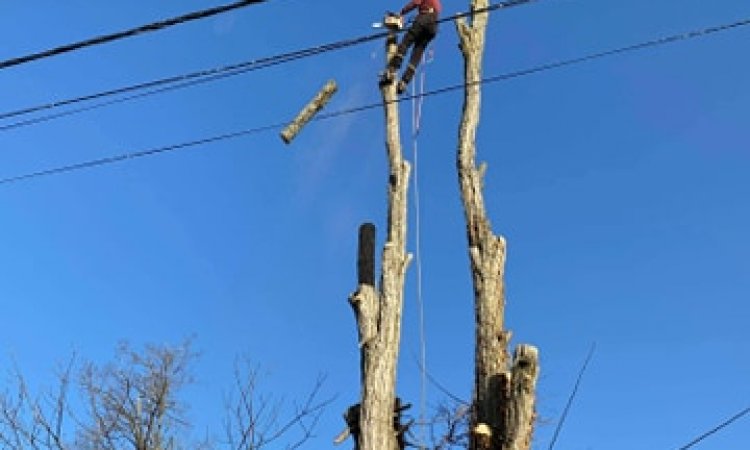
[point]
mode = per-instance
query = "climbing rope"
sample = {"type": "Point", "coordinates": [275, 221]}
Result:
{"type": "Point", "coordinates": [417, 100]}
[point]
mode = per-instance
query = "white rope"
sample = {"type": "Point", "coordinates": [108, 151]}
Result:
{"type": "Point", "coordinates": [416, 105]}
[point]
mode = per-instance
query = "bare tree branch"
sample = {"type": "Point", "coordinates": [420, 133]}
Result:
{"type": "Point", "coordinates": [135, 399]}
{"type": "Point", "coordinates": [134, 402]}
{"type": "Point", "coordinates": [253, 421]}
{"type": "Point", "coordinates": [31, 422]}
{"type": "Point", "coordinates": [449, 427]}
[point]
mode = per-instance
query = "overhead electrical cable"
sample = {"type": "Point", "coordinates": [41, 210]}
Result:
{"type": "Point", "coordinates": [716, 429]}
{"type": "Point", "coordinates": [166, 88]}
{"type": "Point", "coordinates": [572, 396]}
{"type": "Point", "coordinates": [192, 78]}
{"type": "Point", "coordinates": [155, 26]}
{"type": "Point", "coordinates": [554, 65]}
{"type": "Point", "coordinates": [343, 112]}
{"type": "Point", "coordinates": [140, 154]}
{"type": "Point", "coordinates": [598, 55]}
{"type": "Point", "coordinates": [203, 76]}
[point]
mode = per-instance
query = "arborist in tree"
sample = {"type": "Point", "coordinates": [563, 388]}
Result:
{"type": "Point", "coordinates": [422, 31]}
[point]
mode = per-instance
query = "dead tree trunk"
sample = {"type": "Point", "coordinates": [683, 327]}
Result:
{"type": "Point", "coordinates": [378, 312]}
{"type": "Point", "coordinates": [503, 404]}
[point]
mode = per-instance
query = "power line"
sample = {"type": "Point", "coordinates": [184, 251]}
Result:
{"type": "Point", "coordinates": [555, 65]}
{"type": "Point", "coordinates": [598, 55]}
{"type": "Point", "coordinates": [572, 396]}
{"type": "Point", "coordinates": [193, 78]}
{"type": "Point", "coordinates": [139, 154]}
{"type": "Point", "coordinates": [270, 61]}
{"type": "Point", "coordinates": [716, 429]}
{"type": "Point", "coordinates": [260, 64]}
{"type": "Point", "coordinates": [155, 26]}
{"type": "Point", "coordinates": [203, 76]}
{"type": "Point", "coordinates": [344, 112]}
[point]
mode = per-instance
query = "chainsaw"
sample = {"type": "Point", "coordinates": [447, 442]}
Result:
{"type": "Point", "coordinates": [392, 21]}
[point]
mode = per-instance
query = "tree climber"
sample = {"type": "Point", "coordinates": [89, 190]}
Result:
{"type": "Point", "coordinates": [422, 31]}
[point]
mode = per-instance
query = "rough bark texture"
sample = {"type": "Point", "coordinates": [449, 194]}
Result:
{"type": "Point", "coordinates": [309, 111]}
{"type": "Point", "coordinates": [494, 421]}
{"type": "Point", "coordinates": [521, 414]}
{"type": "Point", "coordinates": [379, 313]}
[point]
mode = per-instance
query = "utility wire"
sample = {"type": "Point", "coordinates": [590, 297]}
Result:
{"type": "Point", "coordinates": [572, 396]}
{"type": "Point", "coordinates": [260, 64]}
{"type": "Point", "coordinates": [593, 56]}
{"type": "Point", "coordinates": [192, 78]}
{"type": "Point", "coordinates": [155, 26]}
{"type": "Point", "coordinates": [139, 154]}
{"type": "Point", "coordinates": [554, 65]}
{"type": "Point", "coordinates": [208, 75]}
{"type": "Point", "coordinates": [716, 429]}
{"type": "Point", "coordinates": [344, 112]}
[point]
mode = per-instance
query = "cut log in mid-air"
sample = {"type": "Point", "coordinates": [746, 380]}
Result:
{"type": "Point", "coordinates": [309, 111]}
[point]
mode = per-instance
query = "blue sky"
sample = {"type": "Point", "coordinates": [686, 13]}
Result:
{"type": "Point", "coordinates": [621, 186]}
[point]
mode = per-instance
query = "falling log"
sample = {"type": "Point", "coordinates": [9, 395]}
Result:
{"type": "Point", "coordinates": [307, 113]}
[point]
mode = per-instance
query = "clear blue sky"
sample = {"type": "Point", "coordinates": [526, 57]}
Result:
{"type": "Point", "coordinates": [621, 186]}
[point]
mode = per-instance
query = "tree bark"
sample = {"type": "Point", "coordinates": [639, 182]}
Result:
{"type": "Point", "coordinates": [308, 112]}
{"type": "Point", "coordinates": [379, 314]}
{"type": "Point", "coordinates": [494, 421]}
{"type": "Point", "coordinates": [521, 414]}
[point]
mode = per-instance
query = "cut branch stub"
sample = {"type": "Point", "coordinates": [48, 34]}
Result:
{"type": "Point", "coordinates": [521, 412]}
{"type": "Point", "coordinates": [364, 300]}
{"type": "Point", "coordinates": [366, 258]}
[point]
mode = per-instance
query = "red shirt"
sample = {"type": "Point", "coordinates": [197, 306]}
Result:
{"type": "Point", "coordinates": [424, 6]}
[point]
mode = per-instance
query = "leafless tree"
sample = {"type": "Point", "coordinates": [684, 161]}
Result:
{"type": "Point", "coordinates": [30, 422]}
{"type": "Point", "coordinates": [254, 421]}
{"type": "Point", "coordinates": [504, 389]}
{"type": "Point", "coordinates": [502, 412]}
{"type": "Point", "coordinates": [134, 401]}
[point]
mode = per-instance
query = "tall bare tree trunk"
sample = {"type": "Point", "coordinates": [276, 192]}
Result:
{"type": "Point", "coordinates": [378, 312]}
{"type": "Point", "coordinates": [503, 414]}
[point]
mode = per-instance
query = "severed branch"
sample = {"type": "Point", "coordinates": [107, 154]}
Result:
{"type": "Point", "coordinates": [309, 111]}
